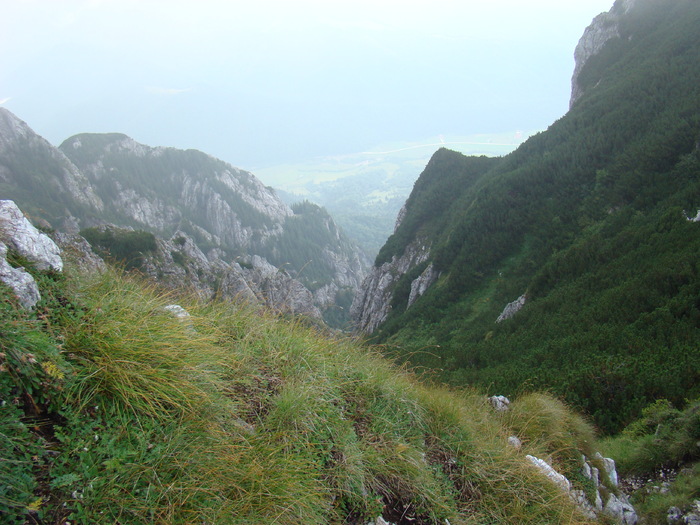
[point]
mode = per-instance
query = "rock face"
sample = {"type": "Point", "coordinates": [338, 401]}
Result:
{"type": "Point", "coordinates": [76, 250]}
{"type": "Point", "coordinates": [372, 302]}
{"type": "Point", "coordinates": [163, 189]}
{"type": "Point", "coordinates": [420, 285]}
{"type": "Point", "coordinates": [512, 308]}
{"type": "Point", "coordinates": [604, 27]}
{"type": "Point", "coordinates": [179, 260]}
{"type": "Point", "coordinates": [411, 262]}
{"type": "Point", "coordinates": [18, 234]}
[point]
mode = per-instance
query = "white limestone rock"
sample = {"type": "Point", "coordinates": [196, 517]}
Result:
{"type": "Point", "coordinates": [421, 284]}
{"type": "Point", "coordinates": [177, 311]}
{"type": "Point", "coordinates": [372, 302]}
{"type": "Point", "coordinates": [18, 233]}
{"type": "Point", "coordinates": [602, 29]}
{"type": "Point", "coordinates": [620, 509]}
{"type": "Point", "coordinates": [610, 469]}
{"type": "Point", "coordinates": [21, 283]}
{"type": "Point", "coordinates": [515, 442]}
{"type": "Point", "coordinates": [499, 403]}
{"type": "Point", "coordinates": [557, 478]}
{"type": "Point", "coordinates": [512, 308]}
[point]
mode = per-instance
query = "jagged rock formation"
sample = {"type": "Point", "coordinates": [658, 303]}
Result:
{"type": "Point", "coordinates": [174, 262]}
{"type": "Point", "coordinates": [616, 506]}
{"type": "Point", "coordinates": [179, 260]}
{"type": "Point", "coordinates": [160, 189]}
{"type": "Point", "coordinates": [604, 27]}
{"type": "Point", "coordinates": [56, 188]}
{"type": "Point", "coordinates": [373, 301]}
{"type": "Point", "coordinates": [608, 499]}
{"type": "Point", "coordinates": [512, 308]}
{"type": "Point", "coordinates": [18, 234]}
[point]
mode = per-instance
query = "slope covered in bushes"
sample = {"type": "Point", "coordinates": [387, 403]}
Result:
{"type": "Point", "coordinates": [589, 222]}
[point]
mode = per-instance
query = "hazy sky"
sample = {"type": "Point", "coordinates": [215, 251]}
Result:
{"type": "Point", "coordinates": [263, 81]}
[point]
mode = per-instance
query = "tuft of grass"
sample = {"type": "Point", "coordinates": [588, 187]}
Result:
{"type": "Point", "coordinates": [545, 423]}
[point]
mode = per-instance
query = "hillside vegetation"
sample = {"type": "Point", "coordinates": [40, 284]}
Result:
{"type": "Point", "coordinates": [590, 221]}
{"type": "Point", "coordinates": [116, 411]}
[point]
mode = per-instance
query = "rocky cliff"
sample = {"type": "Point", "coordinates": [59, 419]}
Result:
{"type": "Point", "coordinates": [604, 28]}
{"type": "Point", "coordinates": [254, 280]}
{"type": "Point", "coordinates": [164, 189]}
{"type": "Point", "coordinates": [405, 268]}
{"type": "Point", "coordinates": [373, 301]}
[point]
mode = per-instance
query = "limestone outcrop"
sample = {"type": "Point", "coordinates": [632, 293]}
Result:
{"type": "Point", "coordinates": [179, 262]}
{"type": "Point", "coordinates": [372, 302]}
{"type": "Point", "coordinates": [608, 499]}
{"type": "Point", "coordinates": [604, 28]}
{"type": "Point", "coordinates": [19, 235]}
{"type": "Point", "coordinates": [512, 308]}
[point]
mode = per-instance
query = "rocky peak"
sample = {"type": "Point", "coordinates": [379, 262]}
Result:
{"type": "Point", "coordinates": [32, 168]}
{"type": "Point", "coordinates": [12, 128]}
{"type": "Point", "coordinates": [93, 180]}
{"type": "Point", "coordinates": [604, 27]}
{"type": "Point", "coordinates": [179, 260]}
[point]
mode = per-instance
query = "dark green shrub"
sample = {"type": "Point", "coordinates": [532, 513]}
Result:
{"type": "Point", "coordinates": [124, 246]}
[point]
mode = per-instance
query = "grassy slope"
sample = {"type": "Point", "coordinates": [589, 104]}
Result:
{"type": "Point", "coordinates": [587, 219]}
{"type": "Point", "coordinates": [114, 410]}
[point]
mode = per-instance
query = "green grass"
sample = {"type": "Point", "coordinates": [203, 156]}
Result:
{"type": "Point", "coordinates": [124, 413]}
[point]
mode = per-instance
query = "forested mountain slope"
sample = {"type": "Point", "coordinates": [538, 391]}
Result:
{"type": "Point", "coordinates": [587, 222]}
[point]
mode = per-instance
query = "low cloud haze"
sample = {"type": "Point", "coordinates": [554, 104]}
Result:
{"type": "Point", "coordinates": [266, 82]}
